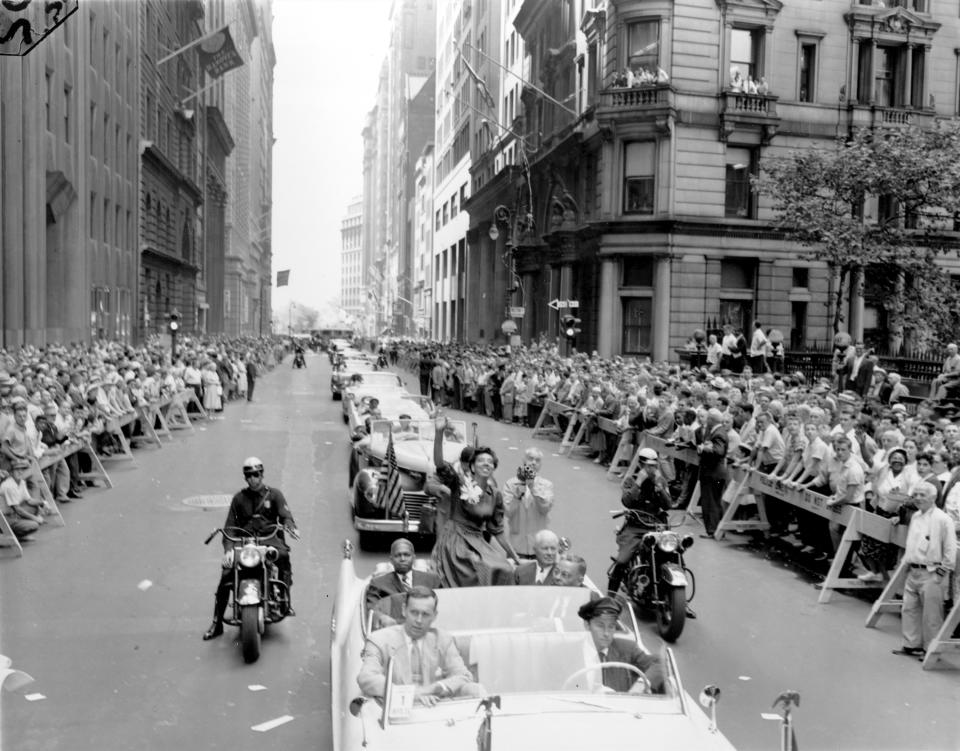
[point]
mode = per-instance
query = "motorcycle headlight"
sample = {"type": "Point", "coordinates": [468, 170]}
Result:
{"type": "Point", "coordinates": [668, 542]}
{"type": "Point", "coordinates": [649, 539]}
{"type": "Point", "coordinates": [249, 557]}
{"type": "Point", "coordinates": [687, 541]}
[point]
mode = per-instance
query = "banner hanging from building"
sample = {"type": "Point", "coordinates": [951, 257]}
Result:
{"type": "Point", "coordinates": [218, 54]}
{"type": "Point", "coordinates": [283, 278]}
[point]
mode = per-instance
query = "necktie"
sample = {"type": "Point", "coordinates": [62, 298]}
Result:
{"type": "Point", "coordinates": [541, 575]}
{"type": "Point", "coordinates": [406, 580]}
{"type": "Point", "coordinates": [416, 664]}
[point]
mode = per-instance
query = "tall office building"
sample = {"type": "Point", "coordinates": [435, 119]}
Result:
{"type": "Point", "coordinates": [69, 129]}
{"type": "Point", "coordinates": [352, 293]}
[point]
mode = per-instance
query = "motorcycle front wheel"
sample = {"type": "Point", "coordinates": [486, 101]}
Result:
{"type": "Point", "coordinates": [672, 613]}
{"type": "Point", "coordinates": [250, 632]}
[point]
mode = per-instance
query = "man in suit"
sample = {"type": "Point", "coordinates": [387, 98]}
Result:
{"type": "Point", "coordinates": [423, 656]}
{"type": "Point", "coordinates": [712, 471]}
{"type": "Point", "coordinates": [601, 616]}
{"type": "Point", "coordinates": [546, 545]}
{"type": "Point", "coordinates": [403, 578]}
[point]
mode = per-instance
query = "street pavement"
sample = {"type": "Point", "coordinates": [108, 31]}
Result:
{"type": "Point", "coordinates": [107, 613]}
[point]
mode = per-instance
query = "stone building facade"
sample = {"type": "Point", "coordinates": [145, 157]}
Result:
{"type": "Point", "coordinates": [633, 194]}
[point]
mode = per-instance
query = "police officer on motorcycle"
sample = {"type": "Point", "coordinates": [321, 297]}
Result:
{"type": "Point", "coordinates": [649, 494]}
{"type": "Point", "coordinates": [254, 509]}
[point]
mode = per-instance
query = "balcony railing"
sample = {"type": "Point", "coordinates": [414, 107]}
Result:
{"type": "Point", "coordinates": [874, 116]}
{"type": "Point", "coordinates": [750, 114]}
{"type": "Point", "coordinates": [651, 95]}
{"type": "Point", "coordinates": [762, 105]}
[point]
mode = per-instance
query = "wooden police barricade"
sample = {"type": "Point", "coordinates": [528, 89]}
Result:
{"type": "Point", "coordinates": [944, 641]}
{"type": "Point", "coordinates": [40, 482]}
{"type": "Point", "coordinates": [547, 423]}
{"type": "Point", "coordinates": [887, 602]}
{"type": "Point", "coordinates": [112, 426]}
{"type": "Point", "coordinates": [577, 444]}
{"type": "Point", "coordinates": [7, 538]}
{"type": "Point", "coordinates": [159, 425]}
{"type": "Point", "coordinates": [625, 451]}
{"type": "Point", "coordinates": [96, 473]}
{"type": "Point", "coordinates": [192, 398]}
{"type": "Point", "coordinates": [147, 414]}
{"type": "Point", "coordinates": [176, 412]}
{"type": "Point", "coordinates": [566, 443]}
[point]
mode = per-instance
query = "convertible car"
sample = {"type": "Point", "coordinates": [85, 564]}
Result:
{"type": "Point", "coordinates": [413, 448]}
{"type": "Point", "coordinates": [533, 655]}
{"type": "Point", "coordinates": [343, 373]}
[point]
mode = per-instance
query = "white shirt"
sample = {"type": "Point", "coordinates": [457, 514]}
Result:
{"type": "Point", "coordinates": [541, 576]}
{"type": "Point", "coordinates": [931, 539]}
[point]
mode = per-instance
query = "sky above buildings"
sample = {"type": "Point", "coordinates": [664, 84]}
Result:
{"type": "Point", "coordinates": [329, 54]}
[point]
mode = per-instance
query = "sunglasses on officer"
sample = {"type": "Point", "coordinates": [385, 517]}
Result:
{"type": "Point", "coordinates": [253, 473]}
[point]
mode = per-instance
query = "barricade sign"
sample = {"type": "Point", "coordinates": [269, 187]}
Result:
{"type": "Point", "coordinates": [207, 502]}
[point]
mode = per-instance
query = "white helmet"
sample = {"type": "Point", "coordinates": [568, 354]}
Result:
{"type": "Point", "coordinates": [252, 464]}
{"type": "Point", "coordinates": [647, 455]}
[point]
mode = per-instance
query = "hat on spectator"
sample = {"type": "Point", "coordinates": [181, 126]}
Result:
{"type": "Point", "coordinates": [601, 606]}
{"type": "Point", "coordinates": [899, 407]}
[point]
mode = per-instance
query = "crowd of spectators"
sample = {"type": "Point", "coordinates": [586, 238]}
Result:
{"type": "Point", "coordinates": [58, 398]}
{"type": "Point", "coordinates": [851, 438]}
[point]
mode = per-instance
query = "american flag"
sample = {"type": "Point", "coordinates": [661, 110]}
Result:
{"type": "Point", "coordinates": [389, 493]}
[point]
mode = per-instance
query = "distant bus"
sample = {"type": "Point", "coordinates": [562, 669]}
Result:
{"type": "Point", "coordinates": [323, 336]}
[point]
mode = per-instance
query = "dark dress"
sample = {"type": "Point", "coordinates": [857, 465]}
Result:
{"type": "Point", "coordinates": [466, 552]}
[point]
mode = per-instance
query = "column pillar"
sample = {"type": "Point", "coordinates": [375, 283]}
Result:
{"type": "Point", "coordinates": [908, 78]}
{"type": "Point", "coordinates": [871, 81]}
{"type": "Point", "coordinates": [660, 336]}
{"type": "Point", "coordinates": [527, 330]}
{"type": "Point", "coordinates": [925, 89]}
{"type": "Point", "coordinates": [855, 320]}
{"type": "Point", "coordinates": [34, 209]}
{"type": "Point", "coordinates": [607, 346]}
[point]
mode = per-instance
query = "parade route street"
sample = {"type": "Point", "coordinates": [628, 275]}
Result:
{"type": "Point", "coordinates": [106, 614]}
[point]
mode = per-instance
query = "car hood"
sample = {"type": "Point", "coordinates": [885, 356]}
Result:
{"type": "Point", "coordinates": [560, 723]}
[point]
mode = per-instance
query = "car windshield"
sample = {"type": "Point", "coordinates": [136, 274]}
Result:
{"type": "Point", "coordinates": [528, 645]}
{"type": "Point", "coordinates": [379, 379]}
{"type": "Point", "coordinates": [456, 430]}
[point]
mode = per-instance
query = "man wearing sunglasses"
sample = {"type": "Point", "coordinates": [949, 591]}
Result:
{"type": "Point", "coordinates": [254, 509]}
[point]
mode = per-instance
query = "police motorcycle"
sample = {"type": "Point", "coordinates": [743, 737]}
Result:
{"type": "Point", "coordinates": [657, 578]}
{"type": "Point", "coordinates": [259, 596]}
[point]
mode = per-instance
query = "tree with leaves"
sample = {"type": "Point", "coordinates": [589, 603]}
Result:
{"type": "Point", "coordinates": [912, 176]}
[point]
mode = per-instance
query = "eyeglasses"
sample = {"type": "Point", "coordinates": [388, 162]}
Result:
{"type": "Point", "coordinates": [253, 474]}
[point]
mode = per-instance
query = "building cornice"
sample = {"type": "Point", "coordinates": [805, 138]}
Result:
{"type": "Point", "coordinates": [156, 158]}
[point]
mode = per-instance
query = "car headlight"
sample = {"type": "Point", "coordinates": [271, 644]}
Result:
{"type": "Point", "coordinates": [249, 557]}
{"type": "Point", "coordinates": [668, 542]}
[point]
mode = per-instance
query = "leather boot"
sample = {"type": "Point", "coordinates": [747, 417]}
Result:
{"type": "Point", "coordinates": [219, 608]}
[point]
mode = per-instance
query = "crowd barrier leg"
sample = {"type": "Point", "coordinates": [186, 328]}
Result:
{"type": "Point", "coordinates": [193, 399]}
{"type": "Point", "coordinates": [944, 641]}
{"type": "Point", "coordinates": [693, 508]}
{"type": "Point", "coordinates": [542, 429]}
{"type": "Point", "coordinates": [113, 428]}
{"type": "Point", "coordinates": [576, 444]}
{"type": "Point", "coordinates": [834, 581]}
{"type": "Point", "coordinates": [146, 416]}
{"type": "Point", "coordinates": [177, 417]}
{"type": "Point", "coordinates": [567, 441]}
{"type": "Point", "coordinates": [631, 471]}
{"type": "Point", "coordinates": [97, 473]}
{"type": "Point", "coordinates": [623, 453]}
{"type": "Point", "coordinates": [7, 538]}
{"type": "Point", "coordinates": [41, 483]}
{"type": "Point", "coordinates": [886, 602]}
{"type": "Point", "coordinates": [159, 418]}
{"type": "Point", "coordinates": [729, 524]}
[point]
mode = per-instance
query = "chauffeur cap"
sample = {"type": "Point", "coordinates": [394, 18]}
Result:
{"type": "Point", "coordinates": [601, 606]}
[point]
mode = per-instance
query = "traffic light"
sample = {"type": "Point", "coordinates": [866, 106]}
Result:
{"type": "Point", "coordinates": [174, 324]}
{"type": "Point", "coordinates": [570, 326]}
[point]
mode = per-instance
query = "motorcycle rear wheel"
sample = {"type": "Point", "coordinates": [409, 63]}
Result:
{"type": "Point", "coordinates": [672, 613]}
{"type": "Point", "coordinates": [250, 632]}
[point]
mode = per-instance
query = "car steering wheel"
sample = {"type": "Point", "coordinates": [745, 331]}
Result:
{"type": "Point", "coordinates": [591, 668]}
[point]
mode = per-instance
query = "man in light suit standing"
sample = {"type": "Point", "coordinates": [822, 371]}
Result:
{"type": "Point", "coordinates": [423, 656]}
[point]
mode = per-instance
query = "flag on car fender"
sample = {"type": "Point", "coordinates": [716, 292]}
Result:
{"type": "Point", "coordinates": [389, 493]}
